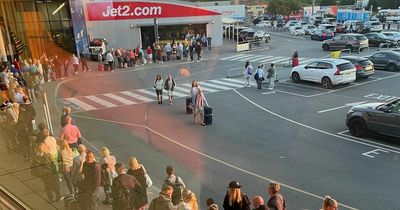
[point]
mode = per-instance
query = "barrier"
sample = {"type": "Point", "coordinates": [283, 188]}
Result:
{"type": "Point", "coordinates": [242, 47]}
{"type": "Point", "coordinates": [335, 54]}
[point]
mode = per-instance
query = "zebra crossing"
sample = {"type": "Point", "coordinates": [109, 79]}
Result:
{"type": "Point", "coordinates": [139, 96]}
{"type": "Point", "coordinates": [277, 60]}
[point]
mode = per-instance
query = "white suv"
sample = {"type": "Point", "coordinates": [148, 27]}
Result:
{"type": "Point", "coordinates": [328, 72]}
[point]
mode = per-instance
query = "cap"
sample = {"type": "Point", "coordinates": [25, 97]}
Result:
{"type": "Point", "coordinates": [234, 184]}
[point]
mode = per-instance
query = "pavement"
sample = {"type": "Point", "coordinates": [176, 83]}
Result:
{"type": "Point", "coordinates": [295, 134]}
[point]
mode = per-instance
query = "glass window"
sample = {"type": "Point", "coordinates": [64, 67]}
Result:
{"type": "Point", "coordinates": [323, 65]}
{"type": "Point", "coordinates": [52, 11]}
{"type": "Point", "coordinates": [313, 65]}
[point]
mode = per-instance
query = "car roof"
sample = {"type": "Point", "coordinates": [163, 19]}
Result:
{"type": "Point", "coordinates": [352, 57]}
{"type": "Point", "coordinates": [353, 34]}
{"type": "Point", "coordinates": [336, 61]}
{"type": "Point", "coordinates": [389, 52]}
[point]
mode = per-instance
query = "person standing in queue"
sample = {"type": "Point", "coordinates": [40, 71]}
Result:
{"type": "Point", "coordinates": [260, 76]}
{"type": "Point", "coordinates": [159, 85]}
{"type": "Point", "coordinates": [199, 107]}
{"type": "Point", "coordinates": [247, 72]}
{"type": "Point", "coordinates": [271, 76]}
{"type": "Point", "coordinates": [235, 199]}
{"type": "Point", "coordinates": [193, 93]}
{"type": "Point", "coordinates": [198, 51]}
{"type": "Point", "coordinates": [169, 86]}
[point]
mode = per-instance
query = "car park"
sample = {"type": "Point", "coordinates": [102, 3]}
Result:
{"type": "Point", "coordinates": [394, 35]}
{"type": "Point", "coordinates": [290, 24]}
{"type": "Point", "coordinates": [328, 21]}
{"type": "Point", "coordinates": [243, 32]}
{"type": "Point", "coordinates": [376, 39]}
{"type": "Point", "coordinates": [309, 29]}
{"type": "Point", "coordinates": [328, 72]}
{"type": "Point", "coordinates": [346, 41]}
{"type": "Point", "coordinates": [263, 24]}
{"type": "Point", "coordinates": [339, 27]}
{"type": "Point", "coordinates": [364, 67]}
{"type": "Point", "coordinates": [316, 20]}
{"type": "Point", "coordinates": [396, 50]}
{"type": "Point", "coordinates": [327, 27]}
{"type": "Point", "coordinates": [389, 60]}
{"type": "Point", "coordinates": [297, 31]}
{"type": "Point", "coordinates": [322, 35]}
{"type": "Point", "coordinates": [382, 118]}
{"type": "Point", "coordinates": [373, 26]}
{"type": "Point", "coordinates": [353, 26]}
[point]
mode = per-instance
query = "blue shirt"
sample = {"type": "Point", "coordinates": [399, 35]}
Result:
{"type": "Point", "coordinates": [260, 73]}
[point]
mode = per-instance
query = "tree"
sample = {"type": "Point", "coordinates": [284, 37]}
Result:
{"type": "Point", "coordinates": [327, 2]}
{"type": "Point", "coordinates": [384, 4]}
{"type": "Point", "coordinates": [346, 2]}
{"type": "Point", "coordinates": [283, 7]}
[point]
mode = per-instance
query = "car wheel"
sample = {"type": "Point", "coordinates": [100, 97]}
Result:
{"type": "Point", "coordinates": [349, 47]}
{"type": "Point", "coordinates": [391, 67]}
{"type": "Point", "coordinates": [326, 83]}
{"type": "Point", "coordinates": [295, 77]}
{"type": "Point", "coordinates": [358, 128]}
{"type": "Point", "coordinates": [325, 47]}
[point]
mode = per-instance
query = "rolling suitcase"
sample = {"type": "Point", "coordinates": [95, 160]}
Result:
{"type": "Point", "coordinates": [207, 115]}
{"type": "Point", "coordinates": [189, 109]}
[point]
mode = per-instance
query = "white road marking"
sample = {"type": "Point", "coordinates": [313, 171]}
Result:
{"type": "Point", "coordinates": [280, 60]}
{"type": "Point", "coordinates": [236, 57]}
{"type": "Point", "coordinates": [341, 107]}
{"type": "Point", "coordinates": [290, 93]}
{"type": "Point", "coordinates": [176, 94]}
{"type": "Point", "coordinates": [271, 59]}
{"type": "Point", "coordinates": [184, 90]}
{"type": "Point", "coordinates": [371, 142]}
{"type": "Point", "coordinates": [381, 97]}
{"type": "Point", "coordinates": [148, 92]}
{"type": "Point", "coordinates": [234, 80]}
{"type": "Point", "coordinates": [269, 93]}
{"type": "Point", "coordinates": [81, 104]}
{"type": "Point", "coordinates": [310, 127]}
{"type": "Point", "coordinates": [214, 86]}
{"type": "Point", "coordinates": [261, 58]}
{"type": "Point", "coordinates": [225, 83]}
{"type": "Point", "coordinates": [375, 152]}
{"type": "Point", "coordinates": [213, 158]}
{"type": "Point", "coordinates": [120, 99]}
{"type": "Point", "coordinates": [139, 97]}
{"type": "Point", "coordinates": [203, 88]}
{"type": "Point", "coordinates": [100, 101]}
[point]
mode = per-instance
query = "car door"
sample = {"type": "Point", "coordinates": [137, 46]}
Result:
{"type": "Point", "coordinates": [379, 60]}
{"type": "Point", "coordinates": [323, 69]}
{"type": "Point", "coordinates": [386, 120]}
{"type": "Point", "coordinates": [371, 39]}
{"type": "Point", "coordinates": [309, 71]}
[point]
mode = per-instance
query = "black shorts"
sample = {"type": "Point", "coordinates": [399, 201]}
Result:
{"type": "Point", "coordinates": [159, 92]}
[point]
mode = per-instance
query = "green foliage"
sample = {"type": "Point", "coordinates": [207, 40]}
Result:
{"type": "Point", "coordinates": [326, 2]}
{"type": "Point", "coordinates": [283, 7]}
{"type": "Point", "coordinates": [346, 2]}
{"type": "Point", "coordinates": [384, 4]}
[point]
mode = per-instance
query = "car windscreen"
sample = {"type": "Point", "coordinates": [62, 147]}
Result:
{"type": "Point", "coordinates": [329, 27]}
{"type": "Point", "coordinates": [345, 66]}
{"type": "Point", "coordinates": [365, 62]}
{"type": "Point", "coordinates": [375, 23]}
{"type": "Point", "coordinates": [383, 36]}
{"type": "Point", "coordinates": [361, 38]}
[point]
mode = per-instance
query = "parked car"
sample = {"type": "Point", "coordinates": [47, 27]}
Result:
{"type": "Point", "coordinates": [263, 24]}
{"type": "Point", "coordinates": [393, 35]}
{"type": "Point", "coordinates": [290, 24]}
{"type": "Point", "coordinates": [327, 27]}
{"type": "Point", "coordinates": [373, 26]}
{"type": "Point", "coordinates": [389, 60]}
{"type": "Point", "coordinates": [297, 31]}
{"type": "Point", "coordinates": [375, 39]}
{"type": "Point", "coordinates": [262, 35]}
{"type": "Point", "coordinates": [328, 72]}
{"type": "Point", "coordinates": [243, 32]}
{"type": "Point", "coordinates": [315, 20]}
{"type": "Point", "coordinates": [339, 27]}
{"type": "Point", "coordinates": [364, 67]}
{"type": "Point", "coordinates": [346, 41]}
{"type": "Point", "coordinates": [357, 26]}
{"type": "Point", "coordinates": [322, 34]}
{"type": "Point", "coordinates": [328, 20]}
{"type": "Point", "coordinates": [382, 118]}
{"type": "Point", "coordinates": [309, 29]}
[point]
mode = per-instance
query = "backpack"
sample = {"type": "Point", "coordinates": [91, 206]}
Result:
{"type": "Point", "coordinates": [178, 188]}
{"type": "Point", "coordinates": [119, 191]}
{"type": "Point", "coordinates": [249, 71]}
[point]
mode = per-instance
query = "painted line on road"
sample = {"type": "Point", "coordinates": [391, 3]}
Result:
{"type": "Point", "coordinates": [313, 128]}
{"type": "Point", "coordinates": [343, 133]}
{"type": "Point", "coordinates": [211, 157]}
{"type": "Point", "coordinates": [341, 107]}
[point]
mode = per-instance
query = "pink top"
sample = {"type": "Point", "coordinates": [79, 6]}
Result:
{"type": "Point", "coordinates": [70, 133]}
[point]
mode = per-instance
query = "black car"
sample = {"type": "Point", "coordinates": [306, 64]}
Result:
{"type": "Point", "coordinates": [364, 67]}
{"type": "Point", "coordinates": [322, 34]}
{"type": "Point", "coordinates": [389, 60]}
{"type": "Point", "coordinates": [376, 117]}
{"type": "Point", "coordinates": [375, 39]}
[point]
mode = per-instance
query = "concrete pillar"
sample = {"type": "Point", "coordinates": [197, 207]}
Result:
{"type": "Point", "coordinates": [3, 54]}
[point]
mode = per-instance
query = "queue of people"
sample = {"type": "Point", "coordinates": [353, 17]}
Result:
{"type": "Point", "coordinates": [259, 75]}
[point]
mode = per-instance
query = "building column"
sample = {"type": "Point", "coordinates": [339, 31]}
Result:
{"type": "Point", "coordinates": [3, 53]}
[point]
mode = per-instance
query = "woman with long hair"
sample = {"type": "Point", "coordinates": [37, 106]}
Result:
{"type": "Point", "coordinates": [189, 201]}
{"type": "Point", "coordinates": [159, 85]}
{"type": "Point", "coordinates": [169, 86]}
{"type": "Point", "coordinates": [329, 204]}
{"type": "Point", "coordinates": [193, 93]}
{"type": "Point", "coordinates": [67, 157]}
{"type": "Point", "coordinates": [235, 199]}
{"type": "Point", "coordinates": [199, 106]}
{"type": "Point", "coordinates": [107, 163]}
{"type": "Point", "coordinates": [247, 72]}
{"type": "Point", "coordinates": [140, 194]}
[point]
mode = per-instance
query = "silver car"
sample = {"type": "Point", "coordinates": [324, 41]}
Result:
{"type": "Point", "coordinates": [376, 117]}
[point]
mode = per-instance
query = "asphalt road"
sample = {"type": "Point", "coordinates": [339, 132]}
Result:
{"type": "Point", "coordinates": [295, 135]}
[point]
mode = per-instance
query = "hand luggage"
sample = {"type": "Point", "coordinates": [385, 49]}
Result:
{"type": "Point", "coordinates": [207, 115]}
{"type": "Point", "coordinates": [70, 203]}
{"type": "Point", "coordinates": [189, 108]}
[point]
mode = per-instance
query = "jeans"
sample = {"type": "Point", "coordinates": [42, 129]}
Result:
{"type": "Point", "coordinates": [68, 182]}
{"type": "Point", "coordinates": [259, 83]}
{"type": "Point", "coordinates": [271, 82]}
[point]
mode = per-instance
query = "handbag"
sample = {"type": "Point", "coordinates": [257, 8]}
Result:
{"type": "Point", "coordinates": [256, 76]}
{"type": "Point", "coordinates": [149, 182]}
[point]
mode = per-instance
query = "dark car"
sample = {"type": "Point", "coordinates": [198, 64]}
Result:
{"type": "Point", "coordinates": [339, 27]}
{"type": "Point", "coordinates": [346, 41]}
{"type": "Point", "coordinates": [396, 50]}
{"type": "Point", "coordinates": [322, 34]}
{"type": "Point", "coordinates": [389, 60]}
{"type": "Point", "coordinates": [375, 117]}
{"type": "Point", "coordinates": [364, 67]}
{"type": "Point", "coordinates": [376, 39]}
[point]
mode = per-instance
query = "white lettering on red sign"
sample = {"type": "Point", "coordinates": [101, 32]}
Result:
{"type": "Point", "coordinates": [126, 11]}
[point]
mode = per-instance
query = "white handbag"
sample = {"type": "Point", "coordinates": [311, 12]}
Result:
{"type": "Point", "coordinates": [149, 182]}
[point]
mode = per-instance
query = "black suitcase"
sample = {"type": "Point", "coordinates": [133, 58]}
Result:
{"type": "Point", "coordinates": [189, 109]}
{"type": "Point", "coordinates": [208, 115]}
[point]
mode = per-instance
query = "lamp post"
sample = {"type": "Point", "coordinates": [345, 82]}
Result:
{"type": "Point", "coordinates": [156, 38]}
